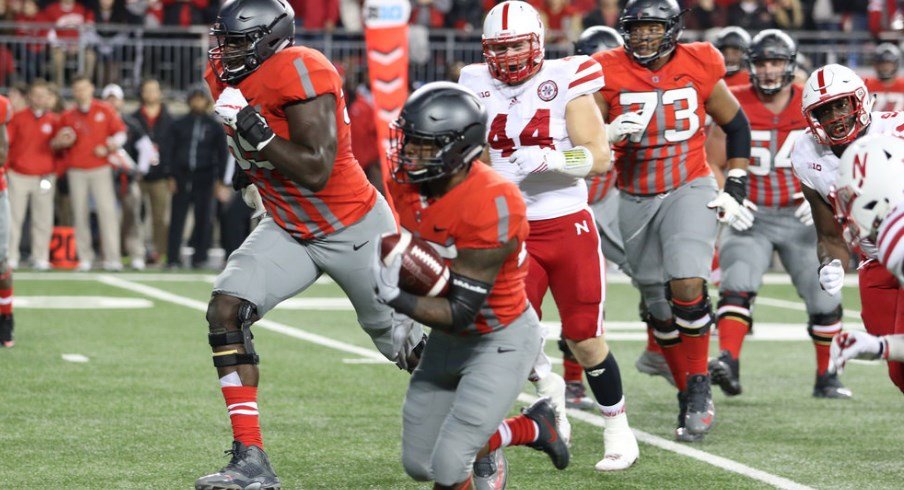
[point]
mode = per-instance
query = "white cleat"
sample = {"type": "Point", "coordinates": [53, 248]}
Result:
{"type": "Point", "coordinates": [553, 386]}
{"type": "Point", "coordinates": [621, 446]}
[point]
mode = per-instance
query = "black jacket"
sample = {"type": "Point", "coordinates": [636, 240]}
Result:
{"type": "Point", "coordinates": [158, 135]}
{"type": "Point", "coordinates": [195, 148]}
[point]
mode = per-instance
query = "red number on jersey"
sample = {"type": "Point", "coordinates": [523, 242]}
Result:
{"type": "Point", "coordinates": [536, 133]}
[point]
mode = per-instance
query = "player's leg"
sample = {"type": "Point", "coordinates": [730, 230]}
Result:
{"type": "Point", "coordinates": [254, 280]}
{"type": "Point", "coordinates": [652, 360]}
{"type": "Point", "coordinates": [687, 234]}
{"type": "Point", "coordinates": [578, 285]}
{"type": "Point", "coordinates": [879, 297]}
{"type": "Point", "coordinates": [347, 257]}
{"type": "Point", "coordinates": [796, 244]}
{"type": "Point", "coordinates": [6, 276]}
{"type": "Point", "coordinates": [896, 369]}
{"type": "Point", "coordinates": [744, 258]}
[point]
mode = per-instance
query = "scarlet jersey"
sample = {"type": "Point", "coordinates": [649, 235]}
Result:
{"type": "Point", "coordinates": [291, 76]}
{"type": "Point", "coordinates": [30, 134]}
{"type": "Point", "coordinates": [738, 79]}
{"type": "Point", "coordinates": [6, 114]}
{"type": "Point", "coordinates": [481, 212]}
{"type": "Point", "coordinates": [889, 96]}
{"type": "Point", "coordinates": [669, 152]}
{"type": "Point", "coordinates": [771, 180]}
{"type": "Point", "coordinates": [92, 129]}
{"type": "Point", "coordinates": [533, 114]}
{"type": "Point", "coordinates": [598, 187]}
{"type": "Point", "coordinates": [890, 242]}
{"type": "Point", "coordinates": [817, 166]}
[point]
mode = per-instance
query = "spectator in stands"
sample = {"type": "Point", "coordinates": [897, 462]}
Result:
{"type": "Point", "coordinates": [705, 15]}
{"type": "Point", "coordinates": [125, 174]}
{"type": "Point", "coordinates": [18, 97]}
{"type": "Point", "coordinates": [350, 15]}
{"type": "Point", "coordinates": [885, 15]}
{"type": "Point", "coordinates": [184, 12]}
{"type": "Point", "coordinates": [31, 170]}
{"type": "Point", "coordinates": [466, 15]}
{"type": "Point", "coordinates": [788, 14]}
{"type": "Point", "coordinates": [155, 120]}
{"type": "Point", "coordinates": [112, 42]}
{"type": "Point", "coordinates": [606, 13]}
{"type": "Point", "coordinates": [562, 21]}
{"type": "Point", "coordinates": [429, 13]}
{"type": "Point", "coordinates": [68, 17]}
{"type": "Point", "coordinates": [751, 15]}
{"type": "Point", "coordinates": [196, 150]}
{"type": "Point", "coordinates": [317, 15]}
{"type": "Point", "coordinates": [30, 56]}
{"type": "Point", "coordinates": [98, 132]}
{"type": "Point", "coordinates": [365, 146]}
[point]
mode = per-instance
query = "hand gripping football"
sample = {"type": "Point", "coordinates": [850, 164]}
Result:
{"type": "Point", "coordinates": [424, 273]}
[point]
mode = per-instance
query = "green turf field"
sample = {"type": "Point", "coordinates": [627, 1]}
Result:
{"type": "Point", "coordinates": [145, 410]}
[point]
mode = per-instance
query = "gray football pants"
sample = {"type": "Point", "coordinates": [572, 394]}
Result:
{"type": "Point", "coordinates": [606, 213]}
{"type": "Point", "coordinates": [459, 394]}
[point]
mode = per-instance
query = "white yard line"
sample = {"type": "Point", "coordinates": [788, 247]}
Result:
{"type": "Point", "coordinates": [596, 420]}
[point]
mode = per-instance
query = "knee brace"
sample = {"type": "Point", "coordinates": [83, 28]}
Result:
{"type": "Point", "coordinates": [655, 302]}
{"type": "Point", "coordinates": [736, 306]}
{"type": "Point", "coordinates": [225, 337]}
{"type": "Point", "coordinates": [823, 326]}
{"type": "Point", "coordinates": [566, 351]}
{"type": "Point", "coordinates": [664, 332]}
{"type": "Point", "coordinates": [696, 318]}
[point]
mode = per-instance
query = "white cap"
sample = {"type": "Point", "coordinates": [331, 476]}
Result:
{"type": "Point", "coordinates": [112, 90]}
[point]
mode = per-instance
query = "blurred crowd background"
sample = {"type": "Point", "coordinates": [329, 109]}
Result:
{"type": "Point", "coordinates": [170, 199]}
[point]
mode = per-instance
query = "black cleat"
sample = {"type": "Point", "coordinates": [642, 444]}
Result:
{"type": "Point", "coordinates": [548, 439]}
{"type": "Point", "coordinates": [248, 469]}
{"type": "Point", "coordinates": [6, 331]}
{"type": "Point", "coordinates": [726, 372]}
{"type": "Point", "coordinates": [681, 433]}
{"type": "Point", "coordinates": [701, 413]}
{"type": "Point", "coordinates": [828, 386]}
{"type": "Point", "coordinates": [491, 471]}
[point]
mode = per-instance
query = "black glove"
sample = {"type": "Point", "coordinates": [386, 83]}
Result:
{"type": "Point", "coordinates": [736, 186]}
{"type": "Point", "coordinates": [240, 179]}
{"type": "Point", "coordinates": [253, 127]}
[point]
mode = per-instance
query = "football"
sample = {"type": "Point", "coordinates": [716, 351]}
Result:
{"type": "Point", "coordinates": [424, 272]}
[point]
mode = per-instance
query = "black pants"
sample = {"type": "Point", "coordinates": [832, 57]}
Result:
{"type": "Point", "coordinates": [197, 193]}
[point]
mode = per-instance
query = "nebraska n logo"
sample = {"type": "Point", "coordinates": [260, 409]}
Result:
{"type": "Point", "coordinates": [582, 227]}
{"type": "Point", "coordinates": [859, 170]}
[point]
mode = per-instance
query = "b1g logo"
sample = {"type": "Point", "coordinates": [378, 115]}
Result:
{"type": "Point", "coordinates": [547, 90]}
{"type": "Point", "coordinates": [386, 13]}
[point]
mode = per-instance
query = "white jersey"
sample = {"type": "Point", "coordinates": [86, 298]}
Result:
{"type": "Point", "coordinates": [817, 166]}
{"type": "Point", "coordinates": [891, 242]}
{"type": "Point", "coordinates": [533, 114]}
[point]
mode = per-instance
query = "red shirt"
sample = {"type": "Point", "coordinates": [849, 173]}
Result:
{"type": "Point", "coordinates": [889, 95]}
{"type": "Point", "coordinates": [6, 112]}
{"type": "Point", "coordinates": [92, 129]}
{"type": "Point", "coordinates": [289, 77]}
{"type": "Point", "coordinates": [30, 152]}
{"type": "Point", "coordinates": [741, 77]}
{"type": "Point", "coordinates": [66, 20]}
{"type": "Point", "coordinates": [669, 152]}
{"type": "Point", "coordinates": [771, 180]}
{"type": "Point", "coordinates": [598, 187]}
{"type": "Point", "coordinates": [481, 212]}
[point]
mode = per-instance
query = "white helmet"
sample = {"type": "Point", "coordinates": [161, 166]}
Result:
{"type": "Point", "coordinates": [869, 182]}
{"type": "Point", "coordinates": [829, 84]}
{"type": "Point", "coordinates": [510, 23]}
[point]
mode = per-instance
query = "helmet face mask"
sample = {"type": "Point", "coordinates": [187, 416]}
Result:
{"type": "Point", "coordinates": [887, 61]}
{"type": "Point", "coordinates": [836, 105]}
{"type": "Point", "coordinates": [837, 117]}
{"type": "Point", "coordinates": [651, 29]}
{"type": "Point", "coordinates": [772, 60]}
{"type": "Point", "coordinates": [597, 38]}
{"type": "Point", "coordinates": [732, 42]}
{"type": "Point", "coordinates": [513, 59]}
{"type": "Point", "coordinates": [417, 158]}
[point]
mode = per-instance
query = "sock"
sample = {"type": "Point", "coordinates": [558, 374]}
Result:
{"type": "Point", "coordinates": [573, 371]}
{"type": "Point", "coordinates": [613, 410]}
{"type": "Point", "coordinates": [6, 301]}
{"type": "Point", "coordinates": [731, 335]}
{"type": "Point", "coordinates": [241, 402]}
{"type": "Point", "coordinates": [694, 316]}
{"type": "Point", "coordinates": [605, 381]}
{"type": "Point", "coordinates": [652, 345]}
{"type": "Point", "coordinates": [674, 357]}
{"type": "Point", "coordinates": [515, 431]}
{"type": "Point", "coordinates": [822, 342]}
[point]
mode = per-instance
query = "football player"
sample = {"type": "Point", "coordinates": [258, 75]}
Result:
{"type": "Point", "coordinates": [782, 221]}
{"type": "Point", "coordinates": [484, 335]}
{"type": "Point", "coordinates": [667, 190]}
{"type": "Point", "coordinates": [547, 136]}
{"type": "Point", "coordinates": [733, 43]}
{"type": "Point", "coordinates": [6, 272]}
{"type": "Point", "coordinates": [287, 127]}
{"type": "Point", "coordinates": [838, 109]}
{"type": "Point", "coordinates": [887, 86]}
{"type": "Point", "coordinates": [869, 197]}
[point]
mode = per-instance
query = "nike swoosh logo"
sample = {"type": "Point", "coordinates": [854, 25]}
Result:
{"type": "Point", "coordinates": [552, 431]}
{"type": "Point", "coordinates": [358, 247]}
{"type": "Point", "coordinates": [596, 372]}
{"type": "Point", "coordinates": [707, 420]}
{"type": "Point", "coordinates": [503, 350]}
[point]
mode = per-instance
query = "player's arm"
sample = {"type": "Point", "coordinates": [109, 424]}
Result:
{"type": "Point", "coordinates": [727, 113]}
{"type": "Point", "coordinates": [4, 145]}
{"type": "Point", "coordinates": [473, 273]}
{"type": "Point", "coordinates": [715, 153]}
{"type": "Point", "coordinates": [830, 243]}
{"type": "Point", "coordinates": [586, 129]}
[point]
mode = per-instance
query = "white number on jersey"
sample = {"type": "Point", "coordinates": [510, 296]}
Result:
{"type": "Point", "coordinates": [653, 103]}
{"type": "Point", "coordinates": [761, 160]}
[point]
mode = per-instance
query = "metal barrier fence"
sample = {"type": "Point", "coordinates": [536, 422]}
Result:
{"type": "Point", "coordinates": [177, 56]}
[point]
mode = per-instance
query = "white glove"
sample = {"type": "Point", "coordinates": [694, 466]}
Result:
{"type": "Point", "coordinates": [803, 211]}
{"type": "Point", "coordinates": [623, 126]}
{"type": "Point", "coordinates": [228, 105]}
{"type": "Point", "coordinates": [252, 197]}
{"type": "Point", "coordinates": [831, 277]}
{"type": "Point", "coordinates": [534, 159]}
{"type": "Point", "coordinates": [740, 217]}
{"type": "Point", "coordinates": [855, 345]}
{"type": "Point", "coordinates": [407, 335]}
{"type": "Point", "coordinates": [386, 277]}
